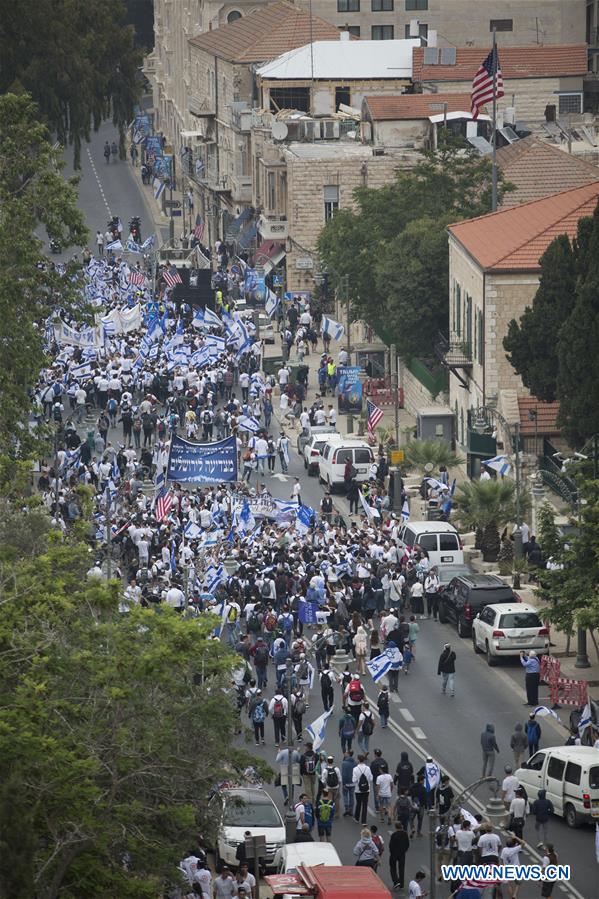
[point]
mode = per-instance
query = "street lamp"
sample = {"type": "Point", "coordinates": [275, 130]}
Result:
{"type": "Point", "coordinates": [481, 416]}
{"type": "Point", "coordinates": [290, 827]}
{"type": "Point", "coordinates": [495, 812]}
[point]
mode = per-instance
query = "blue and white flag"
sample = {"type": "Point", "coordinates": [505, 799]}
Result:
{"type": "Point", "coordinates": [198, 318]}
{"type": "Point", "coordinates": [317, 729]}
{"type": "Point", "coordinates": [542, 711]}
{"type": "Point", "coordinates": [304, 519]}
{"type": "Point", "coordinates": [370, 511]}
{"type": "Point", "coordinates": [108, 324]}
{"type": "Point", "coordinates": [405, 511]}
{"type": "Point", "coordinates": [148, 243]}
{"type": "Point", "coordinates": [586, 719]}
{"type": "Point", "coordinates": [499, 464]}
{"type": "Point", "coordinates": [272, 303]}
{"type": "Point", "coordinates": [81, 371]}
{"type": "Point", "coordinates": [173, 559]}
{"type": "Point", "coordinates": [331, 328]}
{"type": "Point", "coordinates": [214, 577]}
{"type": "Point", "coordinates": [245, 520]}
{"type": "Point", "coordinates": [212, 539]}
{"type": "Point", "coordinates": [447, 505]}
{"type": "Point", "coordinates": [158, 188]}
{"type": "Point", "coordinates": [192, 530]}
{"type": "Point", "coordinates": [432, 776]}
{"type": "Point", "coordinates": [390, 659]}
{"type": "Point", "coordinates": [286, 509]}
{"type": "Point", "coordinates": [132, 246]}
{"type": "Point", "coordinates": [212, 319]}
{"type": "Point", "coordinates": [114, 245]}
{"type": "Point", "coordinates": [247, 423]}
{"type": "Point", "coordinates": [437, 485]}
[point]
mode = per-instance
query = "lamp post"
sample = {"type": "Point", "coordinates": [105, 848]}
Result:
{"type": "Point", "coordinates": [289, 814]}
{"type": "Point", "coordinates": [495, 812]}
{"type": "Point", "coordinates": [482, 415]}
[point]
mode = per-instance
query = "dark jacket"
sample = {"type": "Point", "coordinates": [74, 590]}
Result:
{"type": "Point", "coordinates": [446, 662]}
{"type": "Point", "coordinates": [399, 843]}
{"type": "Point", "coordinates": [347, 770]}
{"type": "Point", "coordinates": [542, 808]}
{"type": "Point", "coordinates": [487, 739]}
{"type": "Point", "coordinates": [533, 732]}
{"type": "Point", "coordinates": [404, 773]}
{"type": "Point", "coordinates": [519, 741]}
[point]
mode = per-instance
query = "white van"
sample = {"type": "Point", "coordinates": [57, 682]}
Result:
{"type": "Point", "coordinates": [439, 538]}
{"type": "Point", "coordinates": [335, 453]}
{"type": "Point", "coordinates": [289, 857]}
{"type": "Point", "coordinates": [570, 777]}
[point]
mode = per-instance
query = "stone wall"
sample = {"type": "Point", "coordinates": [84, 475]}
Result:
{"type": "Point", "coordinates": [415, 394]}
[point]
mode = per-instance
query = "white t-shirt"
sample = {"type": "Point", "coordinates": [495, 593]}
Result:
{"type": "Point", "coordinates": [414, 890]}
{"type": "Point", "coordinates": [464, 840]}
{"type": "Point", "coordinates": [384, 784]}
{"type": "Point", "coordinates": [509, 787]}
{"type": "Point", "coordinates": [510, 855]}
{"type": "Point", "coordinates": [489, 844]}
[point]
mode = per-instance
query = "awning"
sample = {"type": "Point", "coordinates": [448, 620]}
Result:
{"type": "Point", "coordinates": [269, 254]}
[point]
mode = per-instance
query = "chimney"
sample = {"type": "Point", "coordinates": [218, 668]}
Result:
{"type": "Point", "coordinates": [344, 35]}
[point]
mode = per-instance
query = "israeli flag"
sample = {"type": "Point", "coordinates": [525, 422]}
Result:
{"type": "Point", "coordinates": [132, 246]}
{"type": "Point", "coordinates": [173, 559]}
{"type": "Point", "coordinates": [158, 188]}
{"type": "Point", "coordinates": [249, 424]}
{"type": "Point", "coordinates": [390, 659]}
{"type": "Point", "coordinates": [192, 530]}
{"type": "Point", "coordinates": [499, 464]}
{"type": "Point", "coordinates": [210, 540]}
{"type": "Point", "coordinates": [342, 568]}
{"type": "Point", "coordinates": [114, 245]}
{"type": "Point", "coordinates": [542, 711]}
{"type": "Point", "coordinates": [81, 371]}
{"type": "Point", "coordinates": [432, 776]}
{"type": "Point", "coordinates": [370, 511]}
{"type": "Point", "coordinates": [198, 318]}
{"type": "Point", "coordinates": [304, 519]}
{"type": "Point", "coordinates": [286, 509]}
{"type": "Point", "coordinates": [436, 485]}
{"type": "Point", "coordinates": [405, 511]}
{"type": "Point", "coordinates": [214, 577]}
{"type": "Point", "coordinates": [586, 719]}
{"type": "Point", "coordinates": [148, 243]}
{"type": "Point", "coordinates": [331, 328]}
{"type": "Point", "coordinates": [317, 730]}
{"type": "Point", "coordinates": [212, 319]}
{"type": "Point", "coordinates": [272, 303]}
{"type": "Point", "coordinates": [245, 520]}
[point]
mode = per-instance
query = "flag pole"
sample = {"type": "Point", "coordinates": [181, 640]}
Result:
{"type": "Point", "coordinates": [494, 136]}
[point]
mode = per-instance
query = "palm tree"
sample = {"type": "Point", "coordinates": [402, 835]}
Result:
{"type": "Point", "coordinates": [487, 506]}
{"type": "Point", "coordinates": [419, 453]}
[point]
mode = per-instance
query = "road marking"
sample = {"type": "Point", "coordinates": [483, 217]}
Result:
{"type": "Point", "coordinates": [396, 700]}
{"type": "Point", "coordinates": [406, 715]}
{"type": "Point", "coordinates": [97, 177]}
{"type": "Point", "coordinates": [419, 733]}
{"type": "Point", "coordinates": [478, 806]}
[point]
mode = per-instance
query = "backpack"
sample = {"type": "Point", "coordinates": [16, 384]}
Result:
{"type": "Point", "coordinates": [325, 810]}
{"type": "Point", "coordinates": [356, 693]}
{"type": "Point", "coordinates": [278, 710]}
{"type": "Point", "coordinates": [232, 614]}
{"type": "Point", "coordinates": [265, 589]}
{"type": "Point", "coordinates": [378, 842]}
{"type": "Point", "coordinates": [310, 763]}
{"type": "Point", "coordinates": [206, 418]}
{"type": "Point", "coordinates": [302, 670]}
{"type": "Point", "coordinates": [112, 405]}
{"type": "Point", "coordinates": [349, 726]}
{"type": "Point", "coordinates": [253, 624]}
{"type": "Point", "coordinates": [367, 725]}
{"type": "Point", "coordinates": [261, 656]}
{"type": "Point", "coordinates": [258, 715]}
{"type": "Point", "coordinates": [287, 621]}
{"type": "Point", "coordinates": [363, 786]}
{"type": "Point", "coordinates": [325, 682]}
{"type": "Point", "coordinates": [383, 701]}
{"type": "Point", "coordinates": [404, 804]}
{"type": "Point", "coordinates": [332, 779]}
{"type": "Point", "coordinates": [309, 815]}
{"type": "Point", "coordinates": [299, 708]}
{"type": "Point", "coordinates": [270, 622]}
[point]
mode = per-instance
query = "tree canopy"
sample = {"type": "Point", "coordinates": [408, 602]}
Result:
{"type": "Point", "coordinates": [393, 246]}
{"type": "Point", "coordinates": [33, 196]}
{"type": "Point", "coordinates": [114, 728]}
{"type": "Point", "coordinates": [77, 60]}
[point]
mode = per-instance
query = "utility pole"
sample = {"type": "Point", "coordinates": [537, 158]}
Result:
{"type": "Point", "coordinates": [494, 68]}
{"type": "Point", "coordinates": [289, 814]}
{"type": "Point", "coordinates": [518, 534]}
{"type": "Point", "coordinates": [347, 305]}
{"type": "Point", "coordinates": [56, 482]}
{"type": "Point", "coordinates": [395, 389]}
{"type": "Point", "coordinates": [108, 534]}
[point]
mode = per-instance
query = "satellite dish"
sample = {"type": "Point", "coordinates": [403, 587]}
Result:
{"type": "Point", "coordinates": [279, 130]}
{"type": "Point", "coordinates": [429, 467]}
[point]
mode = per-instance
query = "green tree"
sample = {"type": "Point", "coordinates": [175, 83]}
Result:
{"type": "Point", "coordinates": [113, 730]}
{"type": "Point", "coordinates": [367, 245]}
{"type": "Point", "coordinates": [419, 453]}
{"type": "Point", "coordinates": [488, 506]}
{"type": "Point", "coordinates": [77, 60]}
{"type": "Point", "coordinates": [33, 195]}
{"type": "Point", "coordinates": [532, 343]}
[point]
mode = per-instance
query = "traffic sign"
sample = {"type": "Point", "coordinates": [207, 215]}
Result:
{"type": "Point", "coordinates": [174, 204]}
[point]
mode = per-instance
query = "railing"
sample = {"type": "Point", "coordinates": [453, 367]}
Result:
{"type": "Point", "coordinates": [454, 352]}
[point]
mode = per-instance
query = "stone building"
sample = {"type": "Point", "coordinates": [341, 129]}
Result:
{"type": "Point", "coordinates": [414, 120]}
{"type": "Point", "coordinates": [493, 275]}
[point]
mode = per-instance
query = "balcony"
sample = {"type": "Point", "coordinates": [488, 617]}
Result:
{"type": "Point", "coordinates": [455, 354]}
{"type": "Point", "coordinates": [241, 188]}
{"type": "Point", "coordinates": [273, 227]}
{"type": "Point", "coordinates": [200, 106]}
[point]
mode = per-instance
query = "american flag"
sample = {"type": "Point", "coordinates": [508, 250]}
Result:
{"type": "Point", "coordinates": [164, 502]}
{"type": "Point", "coordinates": [198, 231]}
{"type": "Point", "coordinates": [137, 278]}
{"type": "Point", "coordinates": [172, 276]}
{"type": "Point", "coordinates": [375, 415]}
{"type": "Point", "coordinates": [482, 84]}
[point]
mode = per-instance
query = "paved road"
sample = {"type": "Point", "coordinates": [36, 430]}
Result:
{"type": "Point", "coordinates": [423, 721]}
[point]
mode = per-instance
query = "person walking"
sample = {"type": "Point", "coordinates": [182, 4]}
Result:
{"type": "Point", "coordinates": [325, 813]}
{"type": "Point", "coordinates": [114, 152]}
{"type": "Point", "coordinates": [549, 858]}
{"type": "Point", "coordinates": [360, 642]}
{"type": "Point", "coordinates": [278, 712]}
{"type": "Point", "coordinates": [366, 851]}
{"type": "Point", "coordinates": [100, 243]}
{"type": "Point", "coordinates": [330, 778]}
{"type": "Point", "coordinates": [257, 713]}
{"type": "Point", "coordinates": [517, 813]}
{"type": "Point", "coordinates": [446, 669]}
{"type": "Point", "coordinates": [489, 747]}
{"type": "Point", "coordinates": [308, 762]}
{"type": "Point", "coordinates": [518, 745]}
{"type": "Point", "coordinates": [382, 703]}
{"type": "Point", "coordinates": [533, 734]}
{"type": "Point", "coordinates": [347, 730]}
{"type": "Point", "coordinates": [365, 727]}
{"type": "Point", "coordinates": [532, 667]}
{"type": "Point", "coordinates": [347, 782]}
{"type": "Point", "coordinates": [542, 809]}
{"type": "Point", "coordinates": [326, 687]}
{"type": "Point", "coordinates": [399, 843]}
{"type": "Point", "coordinates": [384, 792]}
{"type": "Point", "coordinates": [134, 154]}
{"type": "Point", "coordinates": [431, 588]}
{"type": "Point", "coordinates": [362, 780]}
{"type": "Point", "coordinates": [107, 152]}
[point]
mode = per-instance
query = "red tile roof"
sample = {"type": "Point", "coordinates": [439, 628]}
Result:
{"type": "Point", "coordinates": [516, 62]}
{"type": "Point", "coordinates": [546, 423]}
{"type": "Point", "coordinates": [538, 169]}
{"type": "Point", "coordinates": [264, 34]}
{"type": "Point", "coordinates": [414, 106]}
{"type": "Point", "coordinates": [514, 239]}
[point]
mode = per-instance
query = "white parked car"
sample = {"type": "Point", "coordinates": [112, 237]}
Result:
{"type": "Point", "coordinates": [242, 809]}
{"type": "Point", "coordinates": [312, 450]}
{"type": "Point", "coordinates": [506, 630]}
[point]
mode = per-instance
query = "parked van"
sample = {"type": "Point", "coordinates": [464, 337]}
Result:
{"type": "Point", "coordinates": [334, 455]}
{"type": "Point", "coordinates": [439, 538]}
{"type": "Point", "coordinates": [288, 858]}
{"type": "Point", "coordinates": [570, 777]}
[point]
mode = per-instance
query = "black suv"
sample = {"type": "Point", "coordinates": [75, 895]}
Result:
{"type": "Point", "coordinates": [465, 596]}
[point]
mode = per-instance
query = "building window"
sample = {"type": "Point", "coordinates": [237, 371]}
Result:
{"type": "Point", "coordinates": [382, 32]}
{"type": "Point", "coordinates": [382, 5]}
{"type": "Point", "coordinates": [342, 95]}
{"type": "Point", "coordinates": [468, 328]}
{"type": "Point", "coordinates": [481, 337]}
{"type": "Point", "coordinates": [422, 31]}
{"type": "Point", "coordinates": [290, 98]}
{"type": "Point", "coordinates": [458, 311]}
{"type": "Point", "coordinates": [501, 25]}
{"type": "Point", "coordinates": [353, 29]}
{"type": "Point", "coordinates": [271, 192]}
{"type": "Point", "coordinates": [413, 5]}
{"type": "Point", "coordinates": [570, 103]}
{"type": "Point", "coordinates": [331, 201]}
{"type": "Point", "coordinates": [348, 5]}
{"type": "Point", "coordinates": [233, 16]}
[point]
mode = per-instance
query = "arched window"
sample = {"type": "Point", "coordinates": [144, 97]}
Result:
{"type": "Point", "coordinates": [233, 16]}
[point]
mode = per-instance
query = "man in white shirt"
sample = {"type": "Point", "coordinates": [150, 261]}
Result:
{"type": "Point", "coordinates": [332, 416]}
{"type": "Point", "coordinates": [464, 839]}
{"type": "Point", "coordinates": [362, 780]}
{"type": "Point", "coordinates": [414, 889]}
{"type": "Point", "coordinates": [343, 357]}
{"type": "Point", "coordinates": [175, 598]}
{"type": "Point", "coordinates": [320, 417]}
{"type": "Point", "coordinates": [304, 420]}
{"type": "Point", "coordinates": [489, 845]}
{"type": "Point", "coordinates": [283, 376]}
{"type": "Point", "coordinates": [509, 786]}
{"type": "Point", "coordinates": [384, 792]}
